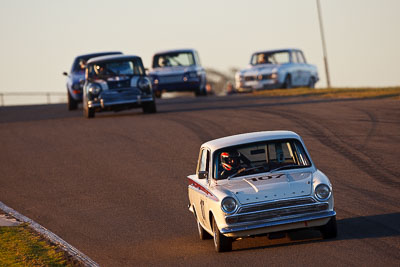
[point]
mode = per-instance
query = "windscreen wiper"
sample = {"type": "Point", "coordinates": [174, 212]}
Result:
{"type": "Point", "coordinates": [245, 170]}
{"type": "Point", "coordinates": [285, 167]}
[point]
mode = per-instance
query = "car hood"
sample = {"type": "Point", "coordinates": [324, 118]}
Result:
{"type": "Point", "coordinates": [171, 70]}
{"type": "Point", "coordinates": [265, 68]}
{"type": "Point", "coordinates": [78, 76]}
{"type": "Point", "coordinates": [270, 187]}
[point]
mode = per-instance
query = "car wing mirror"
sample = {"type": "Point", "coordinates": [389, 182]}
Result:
{"type": "Point", "coordinates": [203, 175]}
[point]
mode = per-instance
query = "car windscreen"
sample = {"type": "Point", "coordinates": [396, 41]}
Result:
{"type": "Point", "coordinates": [278, 57]}
{"type": "Point", "coordinates": [173, 59]}
{"type": "Point", "coordinates": [259, 157]}
{"type": "Point", "coordinates": [80, 62]}
{"type": "Point", "coordinates": [108, 69]}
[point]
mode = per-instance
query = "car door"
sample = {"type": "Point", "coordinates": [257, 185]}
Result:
{"type": "Point", "coordinates": [296, 70]}
{"type": "Point", "coordinates": [201, 202]}
{"type": "Point", "coordinates": [304, 70]}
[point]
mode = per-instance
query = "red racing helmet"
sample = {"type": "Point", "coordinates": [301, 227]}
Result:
{"type": "Point", "coordinates": [230, 160]}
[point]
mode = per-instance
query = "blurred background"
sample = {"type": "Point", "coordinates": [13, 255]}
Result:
{"type": "Point", "coordinates": [39, 39]}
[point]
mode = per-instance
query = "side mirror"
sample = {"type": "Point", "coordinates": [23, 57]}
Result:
{"type": "Point", "coordinates": [203, 175]}
{"type": "Point", "coordinates": [65, 73]}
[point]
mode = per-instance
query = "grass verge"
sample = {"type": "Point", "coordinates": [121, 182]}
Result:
{"type": "Point", "coordinates": [21, 246]}
{"type": "Point", "coordinates": [387, 92]}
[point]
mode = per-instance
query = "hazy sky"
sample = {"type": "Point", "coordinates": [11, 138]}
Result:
{"type": "Point", "coordinates": [39, 39]}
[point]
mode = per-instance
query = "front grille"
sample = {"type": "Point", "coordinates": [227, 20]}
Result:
{"type": "Point", "coordinates": [277, 204]}
{"type": "Point", "coordinates": [119, 84]}
{"type": "Point", "coordinates": [171, 79]}
{"type": "Point", "coordinates": [277, 210]}
{"type": "Point", "coordinates": [281, 213]}
{"type": "Point", "coordinates": [249, 78]}
{"type": "Point", "coordinates": [265, 76]}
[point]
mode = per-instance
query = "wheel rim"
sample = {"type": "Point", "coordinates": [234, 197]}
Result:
{"type": "Point", "coordinates": [215, 237]}
{"type": "Point", "coordinates": [198, 228]}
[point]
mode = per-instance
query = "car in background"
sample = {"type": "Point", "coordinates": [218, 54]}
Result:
{"type": "Point", "coordinates": [283, 68]}
{"type": "Point", "coordinates": [178, 71]}
{"type": "Point", "coordinates": [115, 83]}
{"type": "Point", "coordinates": [257, 184]}
{"type": "Point", "coordinates": [76, 78]}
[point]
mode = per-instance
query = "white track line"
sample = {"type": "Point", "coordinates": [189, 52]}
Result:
{"type": "Point", "coordinates": [50, 235]}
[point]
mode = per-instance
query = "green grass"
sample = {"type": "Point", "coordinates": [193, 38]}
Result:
{"type": "Point", "coordinates": [20, 246]}
{"type": "Point", "coordinates": [388, 92]}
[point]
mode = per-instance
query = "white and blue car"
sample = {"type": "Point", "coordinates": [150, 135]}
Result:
{"type": "Point", "coordinates": [256, 184]}
{"type": "Point", "coordinates": [178, 71]}
{"type": "Point", "coordinates": [283, 68]}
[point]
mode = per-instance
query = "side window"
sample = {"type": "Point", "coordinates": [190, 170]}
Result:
{"type": "Point", "coordinates": [197, 58]}
{"type": "Point", "coordinates": [203, 160]}
{"type": "Point", "coordinates": [300, 57]}
{"type": "Point", "coordinates": [294, 57]}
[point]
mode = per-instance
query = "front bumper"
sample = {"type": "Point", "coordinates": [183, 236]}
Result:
{"type": "Point", "coordinates": [312, 220]}
{"type": "Point", "coordinates": [114, 100]}
{"type": "Point", "coordinates": [190, 86]}
{"type": "Point", "coordinates": [249, 86]}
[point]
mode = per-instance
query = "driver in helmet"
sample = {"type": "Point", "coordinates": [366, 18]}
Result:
{"type": "Point", "coordinates": [230, 163]}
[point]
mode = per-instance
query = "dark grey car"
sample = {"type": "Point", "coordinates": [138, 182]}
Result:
{"type": "Point", "coordinates": [115, 83]}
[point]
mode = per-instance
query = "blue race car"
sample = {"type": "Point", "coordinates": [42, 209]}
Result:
{"type": "Point", "coordinates": [178, 71]}
{"type": "Point", "coordinates": [76, 78]}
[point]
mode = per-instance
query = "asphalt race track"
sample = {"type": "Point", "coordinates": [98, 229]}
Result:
{"type": "Point", "coordinates": [115, 187]}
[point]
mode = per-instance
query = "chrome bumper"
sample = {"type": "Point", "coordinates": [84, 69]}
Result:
{"type": "Point", "coordinates": [258, 225]}
{"type": "Point", "coordinates": [109, 102]}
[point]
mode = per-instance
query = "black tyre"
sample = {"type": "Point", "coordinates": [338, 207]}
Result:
{"type": "Point", "coordinates": [72, 104]}
{"type": "Point", "coordinates": [288, 82]}
{"type": "Point", "coordinates": [329, 230]}
{"type": "Point", "coordinates": [201, 91]}
{"type": "Point", "coordinates": [311, 83]}
{"type": "Point", "coordinates": [149, 107]}
{"type": "Point", "coordinates": [158, 94]}
{"type": "Point", "coordinates": [88, 112]}
{"type": "Point", "coordinates": [203, 234]}
{"type": "Point", "coordinates": [221, 242]}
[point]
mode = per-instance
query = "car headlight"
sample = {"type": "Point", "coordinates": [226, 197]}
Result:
{"type": "Point", "coordinates": [154, 79]}
{"type": "Point", "coordinates": [229, 205]}
{"type": "Point", "coordinates": [192, 74]}
{"type": "Point", "coordinates": [274, 75]}
{"type": "Point", "coordinates": [322, 192]}
{"type": "Point", "coordinates": [94, 89]}
{"type": "Point", "coordinates": [144, 85]}
{"type": "Point", "coordinates": [76, 86]}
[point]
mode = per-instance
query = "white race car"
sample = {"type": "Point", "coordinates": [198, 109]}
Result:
{"type": "Point", "coordinates": [284, 68]}
{"type": "Point", "coordinates": [258, 183]}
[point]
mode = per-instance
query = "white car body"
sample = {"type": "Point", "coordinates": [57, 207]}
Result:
{"type": "Point", "coordinates": [284, 72]}
{"type": "Point", "coordinates": [266, 202]}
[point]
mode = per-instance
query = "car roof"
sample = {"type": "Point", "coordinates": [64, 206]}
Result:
{"type": "Point", "coordinates": [111, 58]}
{"type": "Point", "coordinates": [176, 51]}
{"type": "Point", "coordinates": [277, 50]}
{"type": "Point", "coordinates": [249, 138]}
{"type": "Point", "coordinates": [98, 54]}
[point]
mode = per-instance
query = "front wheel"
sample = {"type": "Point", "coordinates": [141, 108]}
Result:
{"type": "Point", "coordinates": [329, 230]}
{"type": "Point", "coordinates": [288, 82]}
{"type": "Point", "coordinates": [203, 234]}
{"type": "Point", "coordinates": [158, 94]}
{"type": "Point", "coordinates": [88, 112]}
{"type": "Point", "coordinates": [221, 242]}
{"type": "Point", "coordinates": [72, 103]}
{"type": "Point", "coordinates": [311, 83]}
{"type": "Point", "coordinates": [149, 107]}
{"type": "Point", "coordinates": [201, 91]}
